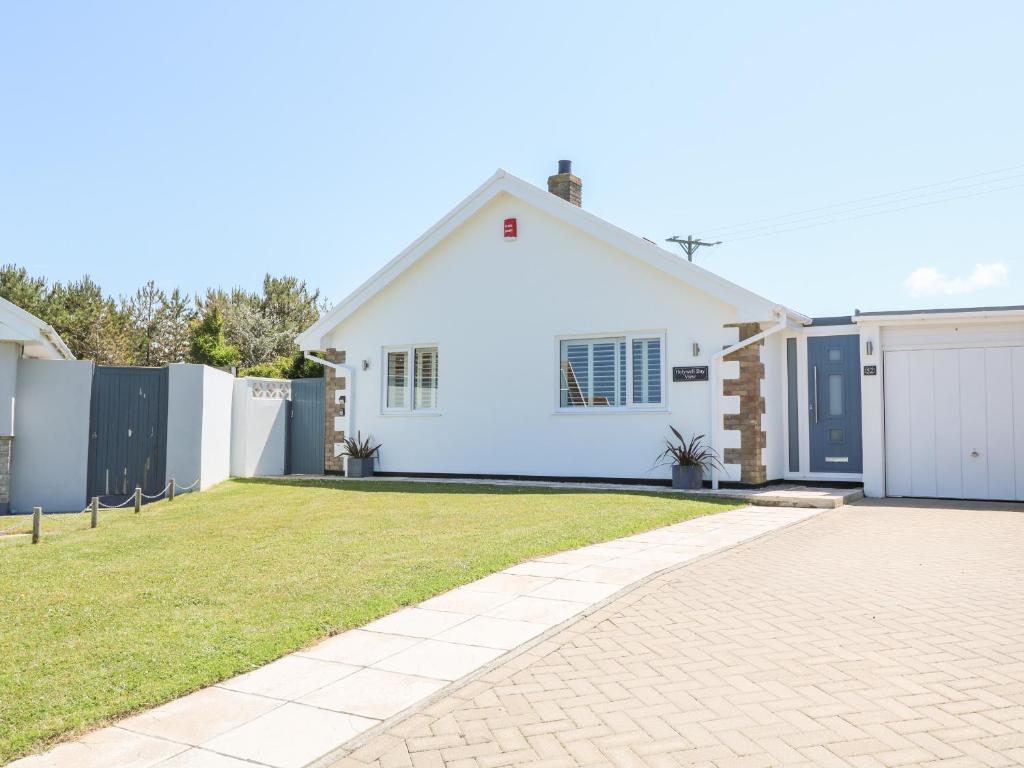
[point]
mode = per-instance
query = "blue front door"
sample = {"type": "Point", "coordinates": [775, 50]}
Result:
{"type": "Point", "coordinates": [833, 397]}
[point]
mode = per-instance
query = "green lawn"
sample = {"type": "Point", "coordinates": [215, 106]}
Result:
{"type": "Point", "coordinates": [97, 623]}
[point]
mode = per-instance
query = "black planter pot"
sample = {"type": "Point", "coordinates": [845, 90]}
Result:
{"type": "Point", "coordinates": [359, 467]}
{"type": "Point", "coordinates": [687, 477]}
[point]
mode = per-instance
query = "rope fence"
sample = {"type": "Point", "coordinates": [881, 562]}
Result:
{"type": "Point", "coordinates": [169, 492]}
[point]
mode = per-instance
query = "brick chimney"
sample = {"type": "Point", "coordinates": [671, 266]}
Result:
{"type": "Point", "coordinates": [565, 185]}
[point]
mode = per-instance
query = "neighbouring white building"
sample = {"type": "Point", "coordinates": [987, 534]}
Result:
{"type": "Point", "coordinates": [522, 336]}
{"type": "Point", "coordinates": [26, 344]}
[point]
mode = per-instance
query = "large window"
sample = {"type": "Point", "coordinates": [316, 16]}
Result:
{"type": "Point", "coordinates": [410, 379]}
{"type": "Point", "coordinates": [612, 372]}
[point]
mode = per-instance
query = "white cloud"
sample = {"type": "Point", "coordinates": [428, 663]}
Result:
{"type": "Point", "coordinates": [928, 281]}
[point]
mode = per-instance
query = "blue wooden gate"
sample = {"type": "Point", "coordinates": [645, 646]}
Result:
{"type": "Point", "coordinates": [305, 452]}
{"type": "Point", "coordinates": [127, 432]}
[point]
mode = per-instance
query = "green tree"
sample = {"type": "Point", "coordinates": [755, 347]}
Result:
{"type": "Point", "coordinates": [257, 337]}
{"type": "Point", "coordinates": [174, 328]}
{"type": "Point", "coordinates": [207, 343]}
{"type": "Point", "coordinates": [290, 303]}
{"type": "Point", "coordinates": [29, 293]}
{"type": "Point", "coordinates": [90, 323]}
{"type": "Point", "coordinates": [262, 326]}
{"type": "Point", "coordinates": [142, 313]}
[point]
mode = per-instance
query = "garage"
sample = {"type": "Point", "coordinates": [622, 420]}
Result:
{"type": "Point", "coordinates": [945, 406]}
{"type": "Point", "coordinates": [954, 423]}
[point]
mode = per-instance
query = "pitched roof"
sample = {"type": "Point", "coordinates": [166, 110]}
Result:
{"type": "Point", "coordinates": [752, 306]}
{"type": "Point", "coordinates": [37, 338]}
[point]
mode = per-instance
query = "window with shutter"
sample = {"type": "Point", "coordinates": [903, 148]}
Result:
{"type": "Point", "coordinates": [647, 371]}
{"type": "Point", "coordinates": [425, 391]}
{"type": "Point", "coordinates": [398, 379]}
{"type": "Point", "coordinates": [410, 379]}
{"type": "Point", "coordinates": [594, 372]}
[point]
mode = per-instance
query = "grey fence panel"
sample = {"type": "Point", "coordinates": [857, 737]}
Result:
{"type": "Point", "coordinates": [305, 452]}
{"type": "Point", "coordinates": [127, 432]}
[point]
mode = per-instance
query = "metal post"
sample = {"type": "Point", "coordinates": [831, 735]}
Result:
{"type": "Point", "coordinates": [170, 490]}
{"type": "Point", "coordinates": [95, 507]}
{"type": "Point", "coordinates": [138, 499]}
{"type": "Point", "coordinates": [37, 520]}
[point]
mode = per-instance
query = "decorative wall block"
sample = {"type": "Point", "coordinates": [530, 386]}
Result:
{"type": "Point", "coordinates": [269, 389]}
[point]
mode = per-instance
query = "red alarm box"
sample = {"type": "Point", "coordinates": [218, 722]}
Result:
{"type": "Point", "coordinates": [511, 229]}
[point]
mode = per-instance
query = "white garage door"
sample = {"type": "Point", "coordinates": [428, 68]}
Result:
{"type": "Point", "coordinates": [954, 423]}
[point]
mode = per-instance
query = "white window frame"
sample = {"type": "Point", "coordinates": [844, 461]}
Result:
{"type": "Point", "coordinates": [410, 408]}
{"type": "Point", "coordinates": [630, 406]}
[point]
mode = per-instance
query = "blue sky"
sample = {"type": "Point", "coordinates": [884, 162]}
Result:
{"type": "Point", "coordinates": [205, 143]}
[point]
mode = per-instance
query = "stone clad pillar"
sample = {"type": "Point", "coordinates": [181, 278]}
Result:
{"type": "Point", "coordinates": [336, 392]}
{"type": "Point", "coordinates": [750, 454]}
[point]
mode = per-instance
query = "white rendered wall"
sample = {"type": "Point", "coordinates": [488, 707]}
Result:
{"type": "Point", "coordinates": [51, 451]}
{"type": "Point", "coordinates": [198, 424]}
{"type": "Point", "coordinates": [872, 404]}
{"type": "Point", "coordinates": [773, 355]}
{"type": "Point", "coordinates": [258, 429]}
{"type": "Point", "coordinates": [496, 309]}
{"type": "Point", "coordinates": [216, 433]}
{"type": "Point", "coordinates": [10, 353]}
{"type": "Point", "coordinates": [184, 422]}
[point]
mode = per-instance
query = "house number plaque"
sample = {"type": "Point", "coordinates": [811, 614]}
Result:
{"type": "Point", "coordinates": [689, 373]}
{"type": "Point", "coordinates": [870, 370]}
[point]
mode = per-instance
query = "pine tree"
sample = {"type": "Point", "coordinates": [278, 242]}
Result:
{"type": "Point", "coordinates": [29, 293]}
{"type": "Point", "coordinates": [174, 328]}
{"type": "Point", "coordinates": [142, 313]}
{"type": "Point", "coordinates": [90, 323]}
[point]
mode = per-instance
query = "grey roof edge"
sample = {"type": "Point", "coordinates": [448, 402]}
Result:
{"type": "Point", "coordinates": [949, 311]}
{"type": "Point", "coordinates": [838, 320]}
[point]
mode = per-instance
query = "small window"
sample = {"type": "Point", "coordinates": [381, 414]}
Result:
{"type": "Point", "coordinates": [593, 373]}
{"type": "Point", "coordinates": [835, 435]}
{"type": "Point", "coordinates": [425, 391]}
{"type": "Point", "coordinates": [410, 390]}
{"type": "Point", "coordinates": [646, 371]}
{"type": "Point", "coordinates": [601, 372]}
{"type": "Point", "coordinates": [398, 379]}
{"type": "Point", "coordinates": [835, 355]}
{"type": "Point", "coordinates": [835, 395]}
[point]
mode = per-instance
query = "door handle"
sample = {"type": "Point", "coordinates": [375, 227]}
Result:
{"type": "Point", "coordinates": [815, 394]}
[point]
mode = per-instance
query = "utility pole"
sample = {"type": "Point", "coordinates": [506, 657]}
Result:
{"type": "Point", "coordinates": [690, 244]}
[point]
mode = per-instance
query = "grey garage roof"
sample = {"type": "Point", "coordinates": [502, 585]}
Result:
{"type": "Point", "coordinates": [839, 320]}
{"type": "Point", "coordinates": [951, 310]}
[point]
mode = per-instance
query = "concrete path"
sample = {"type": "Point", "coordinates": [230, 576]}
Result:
{"type": "Point", "coordinates": [304, 706]}
{"type": "Point", "coordinates": [869, 636]}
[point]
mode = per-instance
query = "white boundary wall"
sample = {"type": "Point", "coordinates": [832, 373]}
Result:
{"type": "Point", "coordinates": [198, 424]}
{"type": "Point", "coordinates": [259, 426]}
{"type": "Point", "coordinates": [51, 446]}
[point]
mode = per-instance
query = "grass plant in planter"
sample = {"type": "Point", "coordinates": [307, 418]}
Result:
{"type": "Point", "coordinates": [689, 459]}
{"type": "Point", "coordinates": [361, 455]}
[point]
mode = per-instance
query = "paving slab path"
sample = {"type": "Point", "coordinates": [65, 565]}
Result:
{"type": "Point", "coordinates": [295, 711]}
{"type": "Point", "coordinates": [873, 635]}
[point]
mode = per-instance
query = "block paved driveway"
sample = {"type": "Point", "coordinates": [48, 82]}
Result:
{"type": "Point", "coordinates": [867, 636]}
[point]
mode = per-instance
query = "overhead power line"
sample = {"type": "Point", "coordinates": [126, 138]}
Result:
{"type": "Point", "coordinates": [875, 213]}
{"type": "Point", "coordinates": [779, 219]}
{"type": "Point", "coordinates": [882, 204]}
